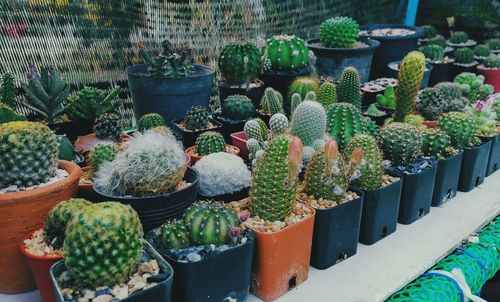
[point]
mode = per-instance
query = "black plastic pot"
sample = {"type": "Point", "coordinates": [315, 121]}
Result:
{"type": "Point", "coordinates": [254, 93]}
{"type": "Point", "coordinates": [458, 69]}
{"type": "Point", "coordinates": [221, 277]}
{"type": "Point", "coordinates": [230, 126]}
{"type": "Point", "coordinates": [392, 48]}
{"type": "Point", "coordinates": [440, 73]}
{"type": "Point", "coordinates": [73, 129]}
{"type": "Point", "coordinates": [380, 212]}
{"type": "Point", "coordinates": [473, 169]}
{"type": "Point", "coordinates": [155, 210]}
{"type": "Point", "coordinates": [235, 196]}
{"type": "Point", "coordinates": [331, 61]}
{"type": "Point", "coordinates": [416, 195]}
{"type": "Point", "coordinates": [446, 183]}
{"type": "Point", "coordinates": [160, 292]}
{"type": "Point", "coordinates": [189, 137]}
{"type": "Point", "coordinates": [427, 73]}
{"type": "Point", "coordinates": [170, 97]}
{"type": "Point", "coordinates": [494, 157]}
{"type": "Point", "coordinates": [336, 233]}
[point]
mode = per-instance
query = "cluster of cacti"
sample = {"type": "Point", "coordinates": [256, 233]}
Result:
{"type": "Point", "coordinates": [344, 121]}
{"type": "Point", "coordinates": [493, 44]}
{"type": "Point", "coordinates": [8, 91]}
{"type": "Point", "coordinates": [153, 163]}
{"type": "Point", "coordinates": [296, 99]}
{"type": "Point", "coordinates": [436, 142]}
{"type": "Point", "coordinates": [484, 117]}
{"type": "Point", "coordinates": [414, 119]}
{"type": "Point", "coordinates": [210, 142]}
{"type": "Point", "coordinates": [101, 153]}
{"type": "Point", "coordinates": [371, 169]}
{"type": "Point", "coordinates": [239, 63]}
{"type": "Point", "coordinates": [339, 32]}
{"type": "Point", "coordinates": [328, 174]}
{"type": "Point", "coordinates": [461, 129]}
{"type": "Point", "coordinates": [303, 85]}
{"type": "Point", "coordinates": [429, 31]}
{"type": "Point", "coordinates": [169, 64]}
{"type": "Point", "coordinates": [287, 53]}
{"type": "Point", "coordinates": [430, 103]}
{"type": "Point", "coordinates": [59, 217]}
{"type": "Point", "coordinates": [327, 93]}
{"type": "Point", "coordinates": [275, 178]}
{"type": "Point", "coordinates": [459, 37]}
{"type": "Point", "coordinates": [492, 62]}
{"type": "Point", "coordinates": [308, 122]}
{"type": "Point", "coordinates": [453, 96]}
{"type": "Point", "coordinates": [473, 86]}
{"type": "Point", "coordinates": [7, 114]}
{"type": "Point", "coordinates": [108, 126]}
{"type": "Point", "coordinates": [348, 88]}
{"type": "Point", "coordinates": [271, 102]}
{"type": "Point", "coordinates": [89, 102]}
{"type": "Point", "coordinates": [103, 244]}
{"type": "Point", "coordinates": [28, 154]}
{"type": "Point", "coordinates": [238, 107]}
{"type": "Point", "coordinates": [278, 123]}
{"type": "Point", "coordinates": [463, 56]}
{"type": "Point", "coordinates": [401, 143]}
{"type": "Point", "coordinates": [439, 40]}
{"type": "Point", "coordinates": [433, 52]}
{"type": "Point", "coordinates": [150, 121]}
{"type": "Point", "coordinates": [196, 118]}
{"type": "Point", "coordinates": [482, 50]}
{"type": "Point", "coordinates": [411, 72]}
{"type": "Point", "coordinates": [45, 93]}
{"type": "Point", "coordinates": [388, 99]}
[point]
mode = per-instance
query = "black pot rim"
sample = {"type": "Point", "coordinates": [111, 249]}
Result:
{"type": "Point", "coordinates": [222, 83]}
{"type": "Point", "coordinates": [485, 142]}
{"type": "Point", "coordinates": [228, 121]}
{"type": "Point", "coordinates": [459, 153]}
{"type": "Point", "coordinates": [212, 120]}
{"type": "Point", "coordinates": [428, 65]}
{"type": "Point", "coordinates": [372, 46]}
{"type": "Point", "coordinates": [293, 73]}
{"type": "Point", "coordinates": [390, 173]}
{"type": "Point", "coordinates": [470, 65]}
{"type": "Point", "coordinates": [200, 71]}
{"type": "Point", "coordinates": [418, 31]}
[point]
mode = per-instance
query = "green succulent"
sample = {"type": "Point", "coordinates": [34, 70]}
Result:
{"type": "Point", "coordinates": [461, 128]}
{"type": "Point", "coordinates": [287, 53]}
{"type": "Point", "coordinates": [434, 52]}
{"type": "Point", "coordinates": [7, 114]}
{"type": "Point", "coordinates": [256, 129]}
{"type": "Point", "coordinates": [101, 153]}
{"type": "Point", "coordinates": [150, 121]}
{"type": "Point", "coordinates": [89, 102]}
{"type": "Point", "coordinates": [327, 93]}
{"type": "Point", "coordinates": [431, 103]}
{"type": "Point", "coordinates": [169, 64]}
{"type": "Point", "coordinates": [296, 100]}
{"type": "Point", "coordinates": [436, 142]}
{"type": "Point", "coordinates": [429, 31]}
{"type": "Point", "coordinates": [401, 143]}
{"type": "Point", "coordinates": [482, 50]}
{"type": "Point", "coordinates": [344, 121]}
{"type": "Point", "coordinates": [271, 102]}
{"type": "Point", "coordinates": [338, 32]}
{"type": "Point", "coordinates": [388, 99]}
{"type": "Point", "coordinates": [492, 62]}
{"type": "Point", "coordinates": [210, 142]}
{"type": "Point", "coordinates": [239, 63]}
{"type": "Point", "coordinates": [174, 234]}
{"type": "Point", "coordinates": [108, 126]}
{"type": "Point", "coordinates": [372, 169]}
{"type": "Point", "coordinates": [196, 118]}
{"type": "Point", "coordinates": [308, 122]}
{"type": "Point", "coordinates": [8, 91]}
{"type": "Point", "coordinates": [439, 40]}
{"type": "Point", "coordinates": [493, 44]}
{"type": "Point", "coordinates": [459, 37]}
{"type": "Point", "coordinates": [303, 85]}
{"type": "Point", "coordinates": [238, 107]}
{"type": "Point", "coordinates": [278, 123]}
{"type": "Point", "coordinates": [348, 88]}
{"type": "Point", "coordinates": [464, 56]}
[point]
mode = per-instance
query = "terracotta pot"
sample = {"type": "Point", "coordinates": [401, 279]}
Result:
{"type": "Point", "coordinates": [86, 190]}
{"type": "Point", "coordinates": [491, 76]}
{"type": "Point", "coordinates": [40, 267]}
{"type": "Point", "coordinates": [240, 140]}
{"type": "Point", "coordinates": [431, 124]}
{"type": "Point", "coordinates": [188, 160]}
{"type": "Point", "coordinates": [281, 259]}
{"type": "Point", "coordinates": [191, 152]}
{"type": "Point", "coordinates": [21, 212]}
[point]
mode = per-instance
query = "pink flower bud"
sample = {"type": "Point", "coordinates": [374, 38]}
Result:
{"type": "Point", "coordinates": [235, 231]}
{"type": "Point", "coordinates": [357, 156]}
{"type": "Point", "coordinates": [479, 105]}
{"type": "Point", "coordinates": [243, 216]}
{"type": "Point", "coordinates": [331, 150]}
{"type": "Point", "coordinates": [295, 151]}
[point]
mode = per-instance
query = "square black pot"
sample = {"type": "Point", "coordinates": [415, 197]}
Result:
{"type": "Point", "coordinates": [494, 157]}
{"type": "Point", "coordinates": [446, 183]}
{"type": "Point", "coordinates": [336, 233]}
{"type": "Point", "coordinates": [189, 137]}
{"type": "Point", "coordinates": [416, 196]}
{"type": "Point", "coordinates": [473, 169]}
{"type": "Point", "coordinates": [380, 212]}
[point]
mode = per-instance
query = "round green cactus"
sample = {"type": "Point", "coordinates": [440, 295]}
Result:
{"type": "Point", "coordinates": [459, 37]}
{"type": "Point", "coordinates": [429, 31]}
{"type": "Point", "coordinates": [101, 153]}
{"type": "Point", "coordinates": [210, 142]}
{"type": "Point", "coordinates": [371, 127]}
{"type": "Point", "coordinates": [303, 85]}
{"type": "Point", "coordinates": [28, 154]}
{"type": "Point", "coordinates": [327, 93]}
{"type": "Point", "coordinates": [287, 53]}
{"type": "Point", "coordinates": [460, 127]}
{"type": "Point", "coordinates": [401, 143]}
{"type": "Point", "coordinates": [308, 122]}
{"type": "Point", "coordinates": [321, 182]}
{"type": "Point", "coordinates": [239, 63]}
{"type": "Point", "coordinates": [256, 129]}
{"type": "Point", "coordinates": [278, 123]}
{"type": "Point", "coordinates": [196, 118]}
{"type": "Point", "coordinates": [238, 107]}
{"type": "Point", "coordinates": [492, 62]}
{"type": "Point", "coordinates": [103, 244]}
{"type": "Point", "coordinates": [411, 73]}
{"type": "Point", "coordinates": [149, 121]}
{"type": "Point", "coordinates": [58, 218]}
{"type": "Point", "coordinates": [108, 126]}
{"type": "Point", "coordinates": [338, 32]}
{"type": "Point", "coordinates": [482, 50]}
{"type": "Point", "coordinates": [372, 170]}
{"type": "Point", "coordinates": [430, 103]}
{"type": "Point", "coordinates": [348, 89]}
{"type": "Point", "coordinates": [433, 52]}
{"type": "Point", "coordinates": [344, 121]}
{"type": "Point", "coordinates": [464, 55]}
{"type": "Point", "coordinates": [493, 44]}
{"type": "Point", "coordinates": [174, 235]}
{"type": "Point", "coordinates": [439, 40]}
{"type": "Point", "coordinates": [271, 102]}
{"type": "Point", "coordinates": [436, 142]}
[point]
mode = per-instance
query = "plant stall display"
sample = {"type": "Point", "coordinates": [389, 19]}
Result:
{"type": "Point", "coordinates": [235, 111]}
{"type": "Point", "coordinates": [473, 86]}
{"type": "Point", "coordinates": [99, 263]}
{"type": "Point", "coordinates": [36, 180]}
{"type": "Point", "coordinates": [240, 65]}
{"type": "Point", "coordinates": [463, 61]}
{"type": "Point", "coordinates": [460, 39]}
{"type": "Point", "coordinates": [490, 69]}
{"type": "Point", "coordinates": [210, 254]}
{"type": "Point", "coordinates": [207, 143]}
{"type": "Point", "coordinates": [196, 121]}
{"type": "Point", "coordinates": [169, 84]}
{"type": "Point", "coordinates": [411, 72]}
{"type": "Point", "coordinates": [441, 63]}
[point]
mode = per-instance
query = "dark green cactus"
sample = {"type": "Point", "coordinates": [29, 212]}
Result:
{"type": "Point", "coordinates": [271, 102]}
{"type": "Point", "coordinates": [492, 61]}
{"type": "Point", "coordinates": [8, 114]}
{"type": "Point", "coordinates": [371, 127]}
{"type": "Point", "coordinates": [287, 53]}
{"type": "Point", "coordinates": [433, 52]}
{"type": "Point", "coordinates": [150, 121]}
{"type": "Point", "coordinates": [8, 91]}
{"type": "Point", "coordinates": [238, 107]}
{"type": "Point", "coordinates": [459, 37]}
{"type": "Point", "coordinates": [372, 169]}
{"type": "Point", "coordinates": [344, 121]}
{"type": "Point", "coordinates": [338, 32]}
{"type": "Point", "coordinates": [482, 50]}
{"type": "Point", "coordinates": [429, 31]}
{"type": "Point", "coordinates": [174, 235]}
{"type": "Point", "coordinates": [430, 103]}
{"type": "Point", "coordinates": [439, 40]}
{"type": "Point", "coordinates": [108, 126]}
{"type": "Point", "coordinates": [239, 63]}
{"type": "Point", "coordinates": [303, 85]}
{"type": "Point", "coordinates": [327, 93]}
{"type": "Point", "coordinates": [169, 64]}
{"type": "Point", "coordinates": [196, 118]}
{"type": "Point", "coordinates": [89, 102]}
{"type": "Point", "coordinates": [411, 72]}
{"type": "Point", "coordinates": [493, 44]}
{"type": "Point", "coordinates": [464, 56]}
{"type": "Point", "coordinates": [210, 142]}
{"type": "Point", "coordinates": [348, 89]}
{"type": "Point", "coordinates": [436, 142]}
{"type": "Point", "coordinates": [101, 153]}
{"type": "Point", "coordinates": [461, 129]}
{"type": "Point", "coordinates": [401, 143]}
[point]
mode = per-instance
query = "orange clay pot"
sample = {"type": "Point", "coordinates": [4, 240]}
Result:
{"type": "Point", "coordinates": [86, 190]}
{"type": "Point", "coordinates": [431, 124]}
{"type": "Point", "coordinates": [191, 152]}
{"type": "Point", "coordinates": [20, 213]}
{"type": "Point", "coordinates": [281, 259]}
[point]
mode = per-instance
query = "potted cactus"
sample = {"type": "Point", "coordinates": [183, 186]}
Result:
{"type": "Point", "coordinates": [235, 111]}
{"type": "Point", "coordinates": [473, 86]}
{"type": "Point", "coordinates": [151, 176]}
{"type": "Point", "coordinates": [255, 129]}
{"type": "Point", "coordinates": [435, 55]}
{"type": "Point", "coordinates": [460, 39]}
{"type": "Point", "coordinates": [453, 94]}
{"type": "Point", "coordinates": [344, 121]}
{"type": "Point", "coordinates": [429, 32]}
{"type": "Point", "coordinates": [339, 46]}
{"type": "Point", "coordinates": [270, 104]}
{"type": "Point", "coordinates": [430, 104]}
{"type": "Point", "coordinates": [463, 61]}
{"type": "Point", "coordinates": [490, 69]}
{"type": "Point", "coordinates": [494, 45]}
{"type": "Point", "coordinates": [36, 180]}
{"type": "Point", "coordinates": [118, 265]}
{"type": "Point", "coordinates": [207, 143]}
{"type": "Point", "coordinates": [150, 121]}
{"type": "Point", "coordinates": [169, 84]}
{"type": "Point", "coordinates": [302, 88]}
{"type": "Point", "coordinates": [211, 256]}
{"type": "Point", "coordinates": [240, 65]}
{"type": "Point", "coordinates": [481, 52]}
{"type": "Point", "coordinates": [196, 121]}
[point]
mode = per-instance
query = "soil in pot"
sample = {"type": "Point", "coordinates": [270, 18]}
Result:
{"type": "Point", "coordinates": [191, 152]}
{"type": "Point", "coordinates": [230, 126]}
{"type": "Point", "coordinates": [394, 69]}
{"type": "Point", "coordinates": [254, 91]}
{"type": "Point", "coordinates": [494, 156]}
{"type": "Point", "coordinates": [189, 137]}
{"type": "Point", "coordinates": [473, 169]}
{"type": "Point", "coordinates": [491, 76]}
{"type": "Point", "coordinates": [446, 183]}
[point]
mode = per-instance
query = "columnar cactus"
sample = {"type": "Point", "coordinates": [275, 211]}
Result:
{"type": "Point", "coordinates": [303, 85]}
{"type": "Point", "coordinates": [296, 99]}
{"type": "Point", "coordinates": [149, 121]}
{"type": "Point", "coordinates": [372, 169]}
{"type": "Point", "coordinates": [275, 177]}
{"type": "Point", "coordinates": [482, 50]}
{"type": "Point", "coordinates": [429, 31]}
{"type": "Point", "coordinates": [238, 107]}
{"type": "Point", "coordinates": [271, 102]}
{"type": "Point", "coordinates": [278, 123]}
{"type": "Point", "coordinates": [459, 37]}
{"type": "Point", "coordinates": [287, 53]}
{"type": "Point", "coordinates": [348, 89]}
{"type": "Point", "coordinates": [464, 56]}
{"type": "Point", "coordinates": [338, 32]}
{"type": "Point", "coordinates": [411, 72]}
{"type": "Point", "coordinates": [8, 90]}
{"type": "Point", "coordinates": [103, 244]}
{"type": "Point", "coordinates": [461, 129]}
{"type": "Point", "coordinates": [430, 103]}
{"type": "Point", "coordinates": [210, 142]}
{"type": "Point", "coordinates": [108, 126]}
{"type": "Point", "coordinates": [436, 142]}
{"type": "Point", "coordinates": [174, 235]}
{"type": "Point", "coordinates": [308, 122]}
{"type": "Point", "coordinates": [196, 118]}
{"type": "Point", "coordinates": [28, 154]}
{"type": "Point", "coordinates": [327, 94]}
{"type": "Point", "coordinates": [343, 122]}
{"type": "Point", "coordinates": [401, 143]}
{"type": "Point", "coordinates": [101, 153]}
{"type": "Point", "coordinates": [433, 52]}
{"type": "Point", "coordinates": [239, 63]}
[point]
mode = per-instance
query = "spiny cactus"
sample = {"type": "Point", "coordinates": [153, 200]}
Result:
{"type": "Point", "coordinates": [473, 86]}
{"type": "Point", "coordinates": [327, 93]}
{"type": "Point", "coordinates": [28, 154]}
{"type": "Point", "coordinates": [287, 53]}
{"type": "Point", "coordinates": [296, 100]}
{"type": "Point", "coordinates": [256, 129]}
{"type": "Point", "coordinates": [275, 177]}
{"type": "Point", "coordinates": [388, 99]}
{"type": "Point", "coordinates": [174, 235]}
{"type": "Point", "coordinates": [430, 103]}
{"type": "Point", "coordinates": [461, 129]}
{"type": "Point", "coordinates": [210, 142]}
{"type": "Point", "coordinates": [429, 31]}
{"type": "Point", "coordinates": [464, 56]}
{"type": "Point", "coordinates": [101, 153]}
{"type": "Point", "coordinates": [459, 37]}
{"type": "Point", "coordinates": [108, 126]}
{"type": "Point", "coordinates": [103, 244]}
{"type": "Point", "coordinates": [411, 72]}
{"type": "Point", "coordinates": [89, 102]}
{"type": "Point", "coordinates": [415, 120]}
{"type": "Point", "coordinates": [303, 85]}
{"type": "Point", "coordinates": [278, 123]}
{"type": "Point", "coordinates": [7, 114]}
{"type": "Point", "coordinates": [492, 62]}
{"type": "Point", "coordinates": [436, 142]}
{"type": "Point", "coordinates": [253, 146]}
{"type": "Point", "coordinates": [169, 64]}
{"type": "Point", "coordinates": [196, 118]}
{"type": "Point", "coordinates": [450, 90]}
{"type": "Point", "coordinates": [401, 143]}
{"type": "Point", "coordinates": [371, 127]}
{"type": "Point", "coordinates": [439, 40]}
{"type": "Point", "coordinates": [371, 169]}
{"type": "Point", "coordinates": [238, 107]}
{"type": "Point", "coordinates": [271, 102]}
{"type": "Point", "coordinates": [338, 32]}
{"type": "Point", "coordinates": [348, 89]}
{"type": "Point", "coordinates": [343, 122]}
{"type": "Point", "coordinates": [59, 217]}
{"type": "Point", "coordinates": [239, 63]}
{"type": "Point", "coordinates": [150, 121]}
{"type": "Point", "coordinates": [8, 91]}
{"type": "Point", "coordinates": [308, 122]}
{"type": "Point", "coordinates": [493, 44]}
{"type": "Point", "coordinates": [433, 52]}
{"type": "Point", "coordinates": [482, 50]}
{"type": "Point", "coordinates": [485, 118]}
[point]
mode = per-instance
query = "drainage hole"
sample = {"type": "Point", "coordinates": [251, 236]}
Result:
{"type": "Point", "coordinates": [477, 181]}
{"type": "Point", "coordinates": [341, 256]}
{"type": "Point", "coordinates": [448, 194]}
{"type": "Point", "coordinates": [495, 167]}
{"type": "Point", "coordinates": [421, 212]}
{"type": "Point", "coordinates": [292, 282]}
{"type": "Point", "coordinates": [384, 231]}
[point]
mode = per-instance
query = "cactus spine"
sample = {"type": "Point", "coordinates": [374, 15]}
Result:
{"type": "Point", "coordinates": [196, 118]}
{"type": "Point", "coordinates": [308, 122]}
{"type": "Point", "coordinates": [338, 32]}
{"type": "Point", "coordinates": [174, 235]}
{"type": "Point", "coordinates": [461, 129]}
{"type": "Point", "coordinates": [436, 142]}
{"type": "Point", "coordinates": [287, 53]}
{"type": "Point", "coordinates": [278, 123]}
{"type": "Point", "coordinates": [411, 72]}
{"type": "Point", "coordinates": [210, 142]}
{"type": "Point", "coordinates": [348, 89]}
{"type": "Point", "coordinates": [238, 107]}
{"type": "Point", "coordinates": [108, 126]}
{"type": "Point", "coordinates": [431, 103]}
{"type": "Point", "coordinates": [344, 121]}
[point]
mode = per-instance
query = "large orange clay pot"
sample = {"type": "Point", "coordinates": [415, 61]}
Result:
{"type": "Point", "coordinates": [281, 259]}
{"type": "Point", "coordinates": [21, 212]}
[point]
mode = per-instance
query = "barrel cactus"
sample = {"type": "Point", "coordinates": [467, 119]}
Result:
{"type": "Point", "coordinates": [238, 107]}
{"type": "Point", "coordinates": [278, 123]}
{"type": "Point", "coordinates": [429, 31]}
{"type": "Point", "coordinates": [492, 62]}
{"type": "Point", "coordinates": [344, 121]}
{"type": "Point", "coordinates": [436, 142]}
{"type": "Point", "coordinates": [303, 85]}
{"type": "Point", "coordinates": [149, 121]}
{"type": "Point", "coordinates": [459, 37]}
{"type": "Point", "coordinates": [196, 118]}
{"type": "Point", "coordinates": [103, 244]}
{"type": "Point", "coordinates": [271, 102]}
{"type": "Point", "coordinates": [256, 129]}
{"type": "Point", "coordinates": [239, 63]}
{"type": "Point", "coordinates": [430, 103]}
{"type": "Point", "coordinates": [348, 88]}
{"type": "Point", "coordinates": [494, 43]}
{"type": "Point", "coordinates": [482, 50]}
{"type": "Point", "coordinates": [308, 122]}
{"type": "Point", "coordinates": [287, 53]}
{"type": "Point", "coordinates": [433, 52]}
{"type": "Point", "coordinates": [401, 143]}
{"type": "Point", "coordinates": [101, 153]}
{"type": "Point", "coordinates": [338, 32]}
{"type": "Point", "coordinates": [411, 72]}
{"type": "Point", "coordinates": [439, 40]}
{"type": "Point", "coordinates": [174, 235]}
{"type": "Point", "coordinates": [464, 56]}
{"type": "Point", "coordinates": [461, 129]}
{"type": "Point", "coordinates": [371, 169]}
{"type": "Point", "coordinates": [108, 126]}
{"type": "Point", "coordinates": [210, 142]}
{"type": "Point", "coordinates": [28, 154]}
{"type": "Point", "coordinates": [327, 93]}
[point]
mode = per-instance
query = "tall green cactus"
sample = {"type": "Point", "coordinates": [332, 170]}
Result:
{"type": "Point", "coordinates": [327, 93]}
{"type": "Point", "coordinates": [344, 121]}
{"type": "Point", "coordinates": [271, 102]}
{"type": "Point", "coordinates": [411, 72]}
{"type": "Point", "coordinates": [372, 169]}
{"type": "Point", "coordinates": [303, 85]}
{"type": "Point", "coordinates": [308, 122]}
{"type": "Point", "coordinates": [348, 89]}
{"type": "Point", "coordinates": [401, 143]}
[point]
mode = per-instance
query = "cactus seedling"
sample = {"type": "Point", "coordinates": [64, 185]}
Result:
{"type": "Point", "coordinates": [271, 102]}
{"type": "Point", "coordinates": [101, 153]}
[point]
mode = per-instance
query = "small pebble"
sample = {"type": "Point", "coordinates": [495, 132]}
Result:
{"type": "Point", "coordinates": [103, 298]}
{"type": "Point", "coordinates": [193, 257]}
